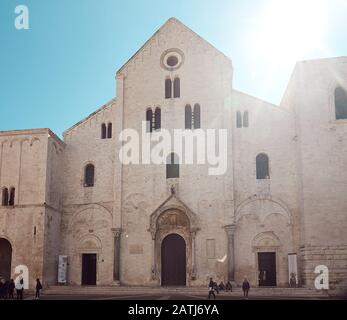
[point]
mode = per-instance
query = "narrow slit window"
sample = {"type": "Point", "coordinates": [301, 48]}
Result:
{"type": "Point", "coordinates": [246, 119]}
{"type": "Point", "coordinates": [103, 131]}
{"type": "Point", "coordinates": [172, 167]}
{"type": "Point", "coordinates": [177, 88]}
{"type": "Point", "coordinates": [5, 197]}
{"type": "Point", "coordinates": [188, 117]}
{"type": "Point", "coordinates": [168, 89]}
{"type": "Point", "coordinates": [238, 119]}
{"type": "Point", "coordinates": [341, 103]}
{"type": "Point", "coordinates": [149, 120]}
{"type": "Point", "coordinates": [263, 168]}
{"type": "Point", "coordinates": [109, 131]}
{"type": "Point", "coordinates": [89, 173]}
{"type": "Point", "coordinates": [157, 119]}
{"type": "Point", "coordinates": [197, 117]}
{"type": "Point", "coordinates": [12, 196]}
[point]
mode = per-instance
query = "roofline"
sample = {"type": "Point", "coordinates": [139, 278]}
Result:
{"type": "Point", "coordinates": [88, 117]}
{"type": "Point", "coordinates": [254, 97]}
{"type": "Point", "coordinates": [321, 59]}
{"type": "Point", "coordinates": [32, 131]}
{"type": "Point", "coordinates": [272, 105]}
{"type": "Point", "coordinates": [149, 40]}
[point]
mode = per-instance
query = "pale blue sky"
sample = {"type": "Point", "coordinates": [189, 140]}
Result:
{"type": "Point", "coordinates": [63, 68]}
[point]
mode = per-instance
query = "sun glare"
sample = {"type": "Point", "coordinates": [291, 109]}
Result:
{"type": "Point", "coordinates": [290, 29]}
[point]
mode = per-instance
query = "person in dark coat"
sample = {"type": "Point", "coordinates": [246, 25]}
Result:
{"type": "Point", "coordinates": [38, 288]}
{"type": "Point", "coordinates": [229, 287]}
{"type": "Point", "coordinates": [221, 286]}
{"type": "Point", "coordinates": [211, 287]}
{"type": "Point", "coordinates": [5, 289]}
{"type": "Point", "coordinates": [11, 287]}
{"type": "Point", "coordinates": [245, 287]}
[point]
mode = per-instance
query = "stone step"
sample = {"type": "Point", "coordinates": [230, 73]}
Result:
{"type": "Point", "coordinates": [78, 290]}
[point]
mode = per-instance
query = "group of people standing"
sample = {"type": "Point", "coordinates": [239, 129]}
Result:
{"type": "Point", "coordinates": [7, 288]}
{"type": "Point", "coordinates": [212, 287]}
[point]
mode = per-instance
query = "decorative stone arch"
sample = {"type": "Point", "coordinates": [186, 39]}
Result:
{"type": "Point", "coordinates": [90, 207]}
{"type": "Point", "coordinates": [90, 232]}
{"type": "Point", "coordinates": [273, 205]}
{"type": "Point", "coordinates": [266, 240]}
{"type": "Point", "coordinates": [173, 217]}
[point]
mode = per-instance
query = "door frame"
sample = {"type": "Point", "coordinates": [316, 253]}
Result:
{"type": "Point", "coordinates": [96, 269]}
{"type": "Point", "coordinates": [276, 275]}
{"type": "Point", "coordinates": [12, 252]}
{"type": "Point", "coordinates": [266, 250]}
{"type": "Point", "coordinates": [186, 248]}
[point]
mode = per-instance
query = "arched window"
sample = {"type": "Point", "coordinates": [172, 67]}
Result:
{"type": "Point", "coordinates": [5, 197]}
{"type": "Point", "coordinates": [197, 117]}
{"type": "Point", "coordinates": [168, 89]}
{"type": "Point", "coordinates": [177, 88]}
{"type": "Point", "coordinates": [157, 117]}
{"type": "Point", "coordinates": [263, 169]}
{"type": "Point", "coordinates": [12, 194]}
{"type": "Point", "coordinates": [103, 131]}
{"type": "Point", "coordinates": [188, 117]}
{"type": "Point", "coordinates": [89, 175]}
{"type": "Point", "coordinates": [172, 167]}
{"type": "Point", "coordinates": [238, 119]}
{"type": "Point", "coordinates": [149, 120]}
{"type": "Point", "coordinates": [341, 103]}
{"type": "Point", "coordinates": [109, 131]}
{"type": "Point", "coordinates": [245, 119]}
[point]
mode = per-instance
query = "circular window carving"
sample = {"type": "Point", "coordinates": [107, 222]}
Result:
{"type": "Point", "coordinates": [172, 59]}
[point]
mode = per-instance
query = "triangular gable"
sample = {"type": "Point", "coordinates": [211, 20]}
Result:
{"type": "Point", "coordinates": [168, 22]}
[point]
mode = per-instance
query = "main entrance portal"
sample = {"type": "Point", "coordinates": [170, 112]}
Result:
{"type": "Point", "coordinates": [5, 259]}
{"type": "Point", "coordinates": [173, 261]}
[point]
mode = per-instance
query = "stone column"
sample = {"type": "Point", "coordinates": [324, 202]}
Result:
{"type": "Point", "coordinates": [230, 230]}
{"type": "Point", "coordinates": [116, 263]}
{"type": "Point", "coordinates": [194, 270]}
{"type": "Point", "coordinates": [154, 263]}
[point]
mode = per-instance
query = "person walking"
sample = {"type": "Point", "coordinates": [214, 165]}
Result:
{"type": "Point", "coordinates": [245, 287]}
{"type": "Point", "coordinates": [38, 288]}
{"type": "Point", "coordinates": [11, 287]}
{"type": "Point", "coordinates": [19, 289]}
{"type": "Point", "coordinates": [211, 287]}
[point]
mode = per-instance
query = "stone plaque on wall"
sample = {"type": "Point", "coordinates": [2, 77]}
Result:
{"type": "Point", "coordinates": [211, 248]}
{"type": "Point", "coordinates": [136, 249]}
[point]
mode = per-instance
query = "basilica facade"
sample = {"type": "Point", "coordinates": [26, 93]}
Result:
{"type": "Point", "coordinates": [279, 210]}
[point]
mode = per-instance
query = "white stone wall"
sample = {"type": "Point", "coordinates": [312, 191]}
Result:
{"type": "Point", "coordinates": [24, 165]}
{"type": "Point", "coordinates": [206, 77]}
{"type": "Point", "coordinates": [263, 206]}
{"type": "Point", "coordinates": [321, 152]}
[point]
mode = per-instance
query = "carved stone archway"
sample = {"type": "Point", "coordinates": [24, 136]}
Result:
{"type": "Point", "coordinates": [173, 217]}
